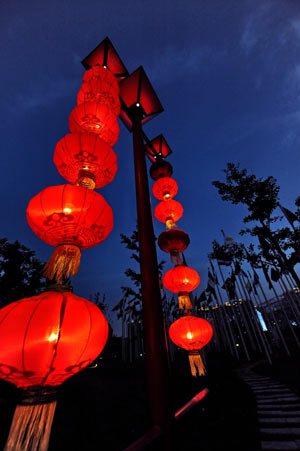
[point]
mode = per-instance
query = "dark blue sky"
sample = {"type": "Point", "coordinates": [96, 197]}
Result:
{"type": "Point", "coordinates": [227, 74]}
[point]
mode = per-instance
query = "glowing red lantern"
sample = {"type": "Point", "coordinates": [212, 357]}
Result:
{"type": "Point", "coordinates": [95, 117]}
{"type": "Point", "coordinates": [168, 211]}
{"type": "Point", "coordinates": [181, 279]}
{"type": "Point", "coordinates": [80, 155]}
{"type": "Point", "coordinates": [88, 93]}
{"type": "Point", "coordinates": [70, 218]}
{"type": "Point", "coordinates": [165, 188]}
{"type": "Point", "coordinates": [160, 169]}
{"type": "Point", "coordinates": [101, 85]}
{"type": "Point", "coordinates": [173, 241]}
{"type": "Point", "coordinates": [192, 333]}
{"type": "Point", "coordinates": [45, 340]}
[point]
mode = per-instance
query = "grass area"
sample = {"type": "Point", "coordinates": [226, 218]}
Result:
{"type": "Point", "coordinates": [107, 408]}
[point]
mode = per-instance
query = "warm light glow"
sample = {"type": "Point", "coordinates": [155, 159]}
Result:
{"type": "Point", "coordinates": [67, 210]}
{"type": "Point", "coordinates": [53, 336]}
{"type": "Point", "coordinates": [186, 280]}
{"type": "Point", "coordinates": [189, 335]}
{"type": "Point", "coordinates": [167, 196]}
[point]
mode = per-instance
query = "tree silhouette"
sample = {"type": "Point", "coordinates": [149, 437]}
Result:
{"type": "Point", "coordinates": [261, 198]}
{"type": "Point", "coordinates": [131, 302]}
{"type": "Point", "coordinates": [20, 272]}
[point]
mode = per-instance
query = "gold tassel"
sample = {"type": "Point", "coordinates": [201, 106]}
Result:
{"type": "Point", "coordinates": [184, 302]}
{"type": "Point", "coordinates": [86, 182]}
{"type": "Point", "coordinates": [196, 364]}
{"type": "Point", "coordinates": [64, 261]}
{"type": "Point", "coordinates": [170, 223]}
{"type": "Point", "coordinates": [31, 427]}
{"type": "Point", "coordinates": [86, 179]}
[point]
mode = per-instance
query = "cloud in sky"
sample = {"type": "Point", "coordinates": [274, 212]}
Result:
{"type": "Point", "coordinates": [173, 63]}
{"type": "Point", "coordinates": [36, 95]}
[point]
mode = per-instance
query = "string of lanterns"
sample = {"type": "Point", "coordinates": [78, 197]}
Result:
{"type": "Point", "coordinates": [49, 337]}
{"type": "Point", "coordinates": [188, 332]}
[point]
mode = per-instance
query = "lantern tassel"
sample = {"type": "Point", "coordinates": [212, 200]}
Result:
{"type": "Point", "coordinates": [196, 363]}
{"type": "Point", "coordinates": [64, 262]}
{"type": "Point", "coordinates": [184, 302]}
{"type": "Point", "coordinates": [31, 427]}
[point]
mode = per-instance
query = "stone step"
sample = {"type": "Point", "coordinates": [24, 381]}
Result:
{"type": "Point", "coordinates": [259, 379]}
{"type": "Point", "coordinates": [282, 407]}
{"type": "Point", "coordinates": [288, 432]}
{"type": "Point", "coordinates": [276, 398]}
{"type": "Point", "coordinates": [268, 386]}
{"type": "Point", "coordinates": [278, 413]}
{"type": "Point", "coordinates": [271, 394]}
{"type": "Point", "coordinates": [271, 390]}
{"type": "Point", "coordinates": [271, 421]}
{"type": "Point", "coordinates": [280, 445]}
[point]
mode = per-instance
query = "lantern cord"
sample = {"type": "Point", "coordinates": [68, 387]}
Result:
{"type": "Point", "coordinates": [31, 427]}
{"type": "Point", "coordinates": [175, 257]}
{"type": "Point", "coordinates": [196, 363]}
{"type": "Point", "coordinates": [64, 262]}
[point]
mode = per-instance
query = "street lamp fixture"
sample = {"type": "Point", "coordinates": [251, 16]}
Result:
{"type": "Point", "coordinates": [106, 55]}
{"type": "Point", "coordinates": [138, 99]}
{"type": "Point", "coordinates": [157, 149]}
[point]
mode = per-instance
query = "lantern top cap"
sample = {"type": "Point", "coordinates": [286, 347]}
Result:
{"type": "Point", "coordinates": [138, 98]}
{"type": "Point", "coordinates": [157, 149]}
{"type": "Point", "coordinates": [106, 55]}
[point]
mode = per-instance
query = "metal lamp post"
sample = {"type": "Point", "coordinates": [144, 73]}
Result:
{"type": "Point", "coordinates": [139, 103]}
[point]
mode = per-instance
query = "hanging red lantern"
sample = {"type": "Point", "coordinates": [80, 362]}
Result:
{"type": "Point", "coordinates": [101, 85]}
{"type": "Point", "coordinates": [181, 279]}
{"type": "Point", "coordinates": [165, 188]}
{"type": "Point", "coordinates": [80, 156]}
{"type": "Point", "coordinates": [168, 211]}
{"type": "Point", "coordinates": [45, 340]}
{"type": "Point", "coordinates": [173, 241]}
{"type": "Point", "coordinates": [192, 333]}
{"type": "Point", "coordinates": [88, 92]}
{"type": "Point", "coordinates": [95, 117]}
{"type": "Point", "coordinates": [70, 218]}
{"type": "Point", "coordinates": [160, 169]}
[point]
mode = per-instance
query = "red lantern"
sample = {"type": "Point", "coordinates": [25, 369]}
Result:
{"type": "Point", "coordinates": [71, 218]}
{"type": "Point", "coordinates": [160, 169]}
{"type": "Point", "coordinates": [173, 241]}
{"type": "Point", "coordinates": [81, 155]}
{"type": "Point", "coordinates": [101, 85]}
{"type": "Point", "coordinates": [45, 340]}
{"type": "Point", "coordinates": [95, 117]}
{"type": "Point", "coordinates": [168, 211]}
{"type": "Point", "coordinates": [181, 279]}
{"type": "Point", "coordinates": [192, 333]}
{"type": "Point", "coordinates": [165, 188]}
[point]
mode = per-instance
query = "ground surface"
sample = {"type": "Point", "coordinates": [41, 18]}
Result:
{"type": "Point", "coordinates": [106, 408]}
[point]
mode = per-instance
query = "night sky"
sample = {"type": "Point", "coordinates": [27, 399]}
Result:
{"type": "Point", "coordinates": [227, 75]}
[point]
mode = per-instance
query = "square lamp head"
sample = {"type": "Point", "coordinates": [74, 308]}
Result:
{"type": "Point", "coordinates": [138, 98]}
{"type": "Point", "coordinates": [106, 55]}
{"type": "Point", "coordinates": [157, 149]}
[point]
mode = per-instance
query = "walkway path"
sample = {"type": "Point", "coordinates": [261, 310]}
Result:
{"type": "Point", "coordinates": [278, 412]}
